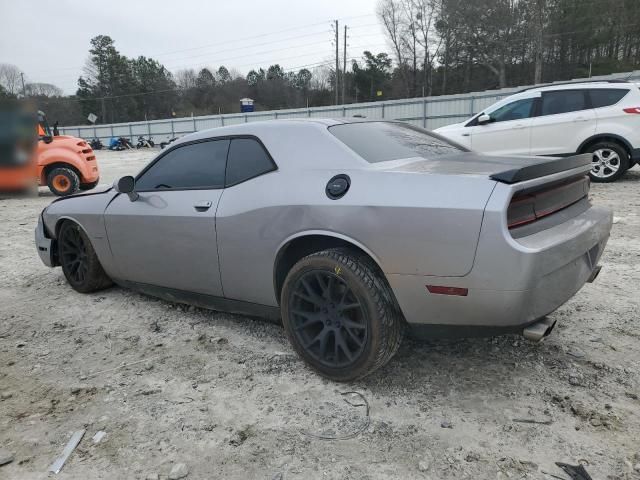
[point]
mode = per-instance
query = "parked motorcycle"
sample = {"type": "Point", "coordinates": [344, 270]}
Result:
{"type": "Point", "coordinates": [96, 144]}
{"type": "Point", "coordinates": [145, 142]}
{"type": "Point", "coordinates": [119, 144]}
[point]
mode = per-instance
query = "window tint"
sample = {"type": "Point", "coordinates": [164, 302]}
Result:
{"type": "Point", "coordinates": [513, 111]}
{"type": "Point", "coordinates": [605, 97]}
{"type": "Point", "coordinates": [247, 159]}
{"type": "Point", "coordinates": [382, 141]}
{"type": "Point", "coordinates": [562, 101]}
{"type": "Point", "coordinates": [199, 165]}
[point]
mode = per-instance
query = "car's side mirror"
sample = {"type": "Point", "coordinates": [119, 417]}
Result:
{"type": "Point", "coordinates": [127, 185]}
{"type": "Point", "coordinates": [484, 119]}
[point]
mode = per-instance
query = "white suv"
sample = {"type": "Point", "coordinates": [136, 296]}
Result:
{"type": "Point", "coordinates": [602, 118]}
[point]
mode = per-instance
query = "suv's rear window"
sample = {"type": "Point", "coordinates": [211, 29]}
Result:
{"type": "Point", "coordinates": [382, 141]}
{"type": "Point", "coordinates": [605, 97]}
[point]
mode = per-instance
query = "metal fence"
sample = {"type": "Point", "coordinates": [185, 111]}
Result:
{"type": "Point", "coordinates": [427, 112]}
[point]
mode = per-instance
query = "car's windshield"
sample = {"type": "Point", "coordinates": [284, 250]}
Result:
{"type": "Point", "coordinates": [382, 141]}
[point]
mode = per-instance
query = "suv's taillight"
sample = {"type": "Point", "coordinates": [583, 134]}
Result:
{"type": "Point", "coordinates": [532, 204]}
{"type": "Point", "coordinates": [632, 110]}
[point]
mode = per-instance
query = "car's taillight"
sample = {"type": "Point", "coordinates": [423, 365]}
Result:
{"type": "Point", "coordinates": [632, 110]}
{"type": "Point", "coordinates": [521, 211]}
{"type": "Point", "coordinates": [533, 204]}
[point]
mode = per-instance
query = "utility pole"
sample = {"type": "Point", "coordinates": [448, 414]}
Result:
{"type": "Point", "coordinates": [24, 92]}
{"type": "Point", "coordinates": [344, 65]}
{"type": "Point", "coordinates": [337, 79]}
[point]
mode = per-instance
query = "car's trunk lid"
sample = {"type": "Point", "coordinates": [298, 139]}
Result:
{"type": "Point", "coordinates": [507, 169]}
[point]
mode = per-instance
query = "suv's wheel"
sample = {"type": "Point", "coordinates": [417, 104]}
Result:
{"type": "Point", "coordinates": [340, 315]}
{"type": "Point", "coordinates": [63, 181]}
{"type": "Point", "coordinates": [79, 261]}
{"type": "Point", "coordinates": [609, 162]}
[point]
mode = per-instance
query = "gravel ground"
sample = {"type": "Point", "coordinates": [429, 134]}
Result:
{"type": "Point", "coordinates": [226, 396]}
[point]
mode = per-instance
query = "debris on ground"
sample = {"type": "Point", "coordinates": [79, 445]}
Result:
{"type": "Point", "coordinates": [73, 442]}
{"type": "Point", "coordinates": [6, 456]}
{"type": "Point", "coordinates": [362, 428]}
{"type": "Point", "coordinates": [179, 470]}
{"type": "Point", "coordinates": [576, 472]}
{"type": "Point", "coordinates": [98, 436]}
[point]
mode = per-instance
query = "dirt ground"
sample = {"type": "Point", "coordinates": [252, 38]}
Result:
{"type": "Point", "coordinates": [226, 396]}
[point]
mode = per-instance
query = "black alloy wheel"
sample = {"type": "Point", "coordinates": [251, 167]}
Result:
{"type": "Point", "coordinates": [328, 319]}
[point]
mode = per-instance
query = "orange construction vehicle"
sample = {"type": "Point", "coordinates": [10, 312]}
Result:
{"type": "Point", "coordinates": [65, 164]}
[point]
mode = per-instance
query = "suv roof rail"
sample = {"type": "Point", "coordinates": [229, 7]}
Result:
{"type": "Point", "coordinates": [615, 80]}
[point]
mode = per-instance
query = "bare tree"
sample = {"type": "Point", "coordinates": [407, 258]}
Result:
{"type": "Point", "coordinates": [10, 78]}
{"type": "Point", "coordinates": [427, 12]}
{"type": "Point", "coordinates": [392, 16]}
{"type": "Point", "coordinates": [43, 90]}
{"type": "Point", "coordinates": [186, 79]}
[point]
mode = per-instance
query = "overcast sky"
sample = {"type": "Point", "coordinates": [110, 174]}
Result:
{"type": "Point", "coordinates": [49, 40]}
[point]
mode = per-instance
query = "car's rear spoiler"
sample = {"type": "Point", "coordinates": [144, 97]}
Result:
{"type": "Point", "coordinates": [542, 169]}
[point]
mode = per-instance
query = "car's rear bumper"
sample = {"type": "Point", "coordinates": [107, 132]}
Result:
{"type": "Point", "coordinates": [44, 245]}
{"type": "Point", "coordinates": [512, 284]}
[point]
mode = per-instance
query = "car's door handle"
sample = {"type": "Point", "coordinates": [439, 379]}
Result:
{"type": "Point", "coordinates": [466, 134]}
{"type": "Point", "coordinates": [580, 119]}
{"type": "Point", "coordinates": [202, 206]}
{"type": "Point", "coordinates": [519, 126]}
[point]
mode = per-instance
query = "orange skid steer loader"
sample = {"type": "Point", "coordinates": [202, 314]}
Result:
{"type": "Point", "coordinates": [65, 164]}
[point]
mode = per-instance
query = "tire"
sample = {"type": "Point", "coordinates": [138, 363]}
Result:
{"type": "Point", "coordinates": [88, 186]}
{"type": "Point", "coordinates": [63, 181]}
{"type": "Point", "coordinates": [609, 162]}
{"type": "Point", "coordinates": [339, 340]}
{"type": "Point", "coordinates": [79, 261]}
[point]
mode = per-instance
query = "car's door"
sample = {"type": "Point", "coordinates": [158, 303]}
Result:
{"type": "Point", "coordinates": [563, 121]}
{"type": "Point", "coordinates": [508, 131]}
{"type": "Point", "coordinates": [167, 237]}
{"type": "Point", "coordinates": [245, 223]}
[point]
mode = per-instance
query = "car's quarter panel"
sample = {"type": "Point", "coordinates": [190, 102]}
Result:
{"type": "Point", "coordinates": [87, 211]}
{"type": "Point", "coordinates": [164, 239]}
{"type": "Point", "coordinates": [411, 222]}
{"type": "Point", "coordinates": [513, 281]}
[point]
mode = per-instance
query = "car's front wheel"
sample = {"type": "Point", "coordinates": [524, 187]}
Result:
{"type": "Point", "coordinates": [609, 162]}
{"type": "Point", "coordinates": [340, 314]}
{"type": "Point", "coordinates": [79, 261]}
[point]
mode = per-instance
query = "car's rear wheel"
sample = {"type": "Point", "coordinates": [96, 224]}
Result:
{"type": "Point", "coordinates": [609, 162]}
{"type": "Point", "coordinates": [79, 261]}
{"type": "Point", "coordinates": [340, 314]}
{"type": "Point", "coordinates": [63, 181]}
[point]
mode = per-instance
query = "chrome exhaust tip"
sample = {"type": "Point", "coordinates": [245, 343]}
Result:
{"type": "Point", "coordinates": [538, 330]}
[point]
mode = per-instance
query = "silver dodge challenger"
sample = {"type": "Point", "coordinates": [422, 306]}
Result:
{"type": "Point", "coordinates": [350, 232]}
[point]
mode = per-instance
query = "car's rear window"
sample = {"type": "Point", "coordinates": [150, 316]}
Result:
{"type": "Point", "coordinates": [605, 97]}
{"type": "Point", "coordinates": [383, 141]}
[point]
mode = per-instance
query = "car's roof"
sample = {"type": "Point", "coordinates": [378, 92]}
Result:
{"type": "Point", "coordinates": [256, 128]}
{"type": "Point", "coordinates": [573, 86]}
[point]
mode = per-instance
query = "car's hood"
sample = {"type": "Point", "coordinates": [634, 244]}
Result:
{"type": "Point", "coordinates": [506, 169]}
{"type": "Point", "coordinates": [446, 128]}
{"type": "Point", "coordinates": [103, 188]}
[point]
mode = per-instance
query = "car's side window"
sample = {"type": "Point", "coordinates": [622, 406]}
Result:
{"type": "Point", "coordinates": [605, 97]}
{"type": "Point", "coordinates": [563, 101]}
{"type": "Point", "coordinates": [518, 110]}
{"type": "Point", "coordinates": [247, 159]}
{"type": "Point", "coordinates": [197, 165]}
